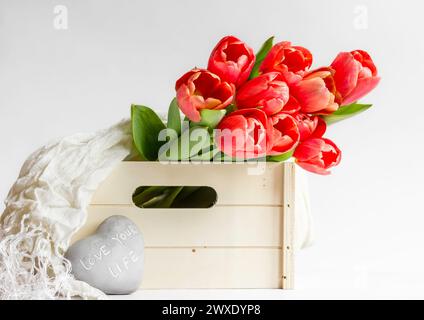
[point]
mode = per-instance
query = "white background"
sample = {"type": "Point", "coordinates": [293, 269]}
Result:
{"type": "Point", "coordinates": [369, 217]}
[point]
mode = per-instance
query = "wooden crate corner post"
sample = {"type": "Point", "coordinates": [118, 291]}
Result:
{"type": "Point", "coordinates": [288, 226]}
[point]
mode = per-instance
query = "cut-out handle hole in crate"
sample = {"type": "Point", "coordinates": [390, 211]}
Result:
{"type": "Point", "coordinates": [162, 197]}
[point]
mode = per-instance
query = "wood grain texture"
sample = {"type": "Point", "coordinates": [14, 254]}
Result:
{"type": "Point", "coordinates": [234, 183]}
{"type": "Point", "coordinates": [287, 227]}
{"type": "Point", "coordinates": [217, 268]}
{"type": "Point", "coordinates": [245, 241]}
{"type": "Point", "coordinates": [218, 226]}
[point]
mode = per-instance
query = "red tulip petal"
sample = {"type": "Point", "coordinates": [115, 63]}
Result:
{"type": "Point", "coordinates": [320, 129]}
{"type": "Point", "coordinates": [313, 168]}
{"type": "Point", "coordinates": [365, 59]}
{"type": "Point", "coordinates": [243, 134]}
{"type": "Point", "coordinates": [363, 87]}
{"type": "Point", "coordinates": [309, 149]}
{"type": "Point", "coordinates": [267, 91]}
{"type": "Point", "coordinates": [251, 91]}
{"type": "Point", "coordinates": [285, 134]}
{"type": "Point", "coordinates": [225, 93]}
{"type": "Point", "coordinates": [232, 60]}
{"type": "Point", "coordinates": [288, 60]}
{"type": "Point", "coordinates": [331, 154]}
{"type": "Point", "coordinates": [310, 127]}
{"type": "Point", "coordinates": [312, 95]}
{"type": "Point", "coordinates": [205, 83]}
{"type": "Point", "coordinates": [188, 103]}
{"type": "Point", "coordinates": [347, 71]}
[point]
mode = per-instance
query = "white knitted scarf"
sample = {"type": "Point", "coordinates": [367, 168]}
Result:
{"type": "Point", "coordinates": [47, 205]}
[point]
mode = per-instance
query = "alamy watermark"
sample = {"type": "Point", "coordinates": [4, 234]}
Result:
{"type": "Point", "coordinates": [200, 145]}
{"type": "Point", "coordinates": [60, 17]}
{"type": "Point", "coordinates": [360, 20]}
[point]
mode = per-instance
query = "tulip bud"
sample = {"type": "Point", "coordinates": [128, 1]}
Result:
{"type": "Point", "coordinates": [355, 75]}
{"type": "Point", "coordinates": [291, 61]}
{"type": "Point", "coordinates": [232, 60]}
{"type": "Point", "coordinates": [317, 155]}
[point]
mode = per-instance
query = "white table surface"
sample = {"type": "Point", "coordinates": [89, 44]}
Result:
{"type": "Point", "coordinates": [328, 286]}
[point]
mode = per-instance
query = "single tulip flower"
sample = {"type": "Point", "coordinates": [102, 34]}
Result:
{"type": "Point", "coordinates": [317, 155]}
{"type": "Point", "coordinates": [316, 92]}
{"type": "Point", "coordinates": [292, 106]}
{"type": "Point", "coordinates": [284, 134]}
{"type": "Point", "coordinates": [291, 61]}
{"type": "Point", "coordinates": [232, 60]}
{"type": "Point", "coordinates": [201, 89]}
{"type": "Point", "coordinates": [355, 75]}
{"type": "Point", "coordinates": [243, 134]}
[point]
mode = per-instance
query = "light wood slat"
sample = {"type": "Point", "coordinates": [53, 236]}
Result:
{"type": "Point", "coordinates": [287, 227]}
{"type": "Point", "coordinates": [243, 242]}
{"type": "Point", "coordinates": [219, 226]}
{"type": "Point", "coordinates": [234, 183]}
{"type": "Point", "coordinates": [212, 268]}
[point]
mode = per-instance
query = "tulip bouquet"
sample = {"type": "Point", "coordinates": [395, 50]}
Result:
{"type": "Point", "coordinates": [268, 106]}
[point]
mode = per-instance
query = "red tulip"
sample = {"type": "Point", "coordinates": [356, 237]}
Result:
{"type": "Point", "coordinates": [268, 92]}
{"type": "Point", "coordinates": [316, 92]}
{"type": "Point", "coordinates": [317, 155]}
{"type": "Point", "coordinates": [355, 75]}
{"type": "Point", "coordinates": [243, 134]}
{"type": "Point", "coordinates": [291, 61]}
{"type": "Point", "coordinates": [201, 89]}
{"type": "Point", "coordinates": [310, 127]}
{"type": "Point", "coordinates": [284, 134]}
{"type": "Point", "coordinates": [232, 60]}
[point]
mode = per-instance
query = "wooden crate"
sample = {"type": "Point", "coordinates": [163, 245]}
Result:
{"type": "Point", "coordinates": [244, 241]}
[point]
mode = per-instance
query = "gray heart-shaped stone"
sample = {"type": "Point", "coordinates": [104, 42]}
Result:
{"type": "Point", "coordinates": [111, 259]}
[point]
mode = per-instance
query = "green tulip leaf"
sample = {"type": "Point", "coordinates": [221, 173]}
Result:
{"type": "Point", "coordinates": [345, 112]}
{"type": "Point", "coordinates": [174, 117]}
{"type": "Point", "coordinates": [222, 157]}
{"type": "Point", "coordinates": [167, 199]}
{"type": "Point", "coordinates": [193, 143]}
{"type": "Point", "coordinates": [260, 56]}
{"type": "Point", "coordinates": [281, 157]}
{"type": "Point", "coordinates": [146, 126]}
{"type": "Point", "coordinates": [186, 192]}
{"type": "Point", "coordinates": [231, 108]}
{"type": "Point", "coordinates": [145, 195]}
{"type": "Point", "coordinates": [196, 197]}
{"type": "Point", "coordinates": [206, 154]}
{"type": "Point", "coordinates": [210, 118]}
